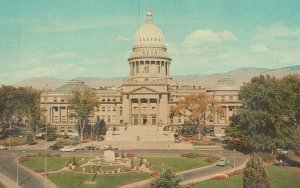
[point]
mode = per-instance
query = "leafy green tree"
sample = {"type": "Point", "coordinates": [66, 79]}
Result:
{"type": "Point", "coordinates": [30, 138]}
{"type": "Point", "coordinates": [266, 120]}
{"type": "Point", "coordinates": [167, 179]}
{"type": "Point", "coordinates": [256, 173]}
{"type": "Point", "coordinates": [196, 108]}
{"type": "Point", "coordinates": [83, 101]}
{"type": "Point", "coordinates": [99, 128]}
{"type": "Point", "coordinates": [50, 133]}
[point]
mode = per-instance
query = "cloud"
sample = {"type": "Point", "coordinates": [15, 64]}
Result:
{"type": "Point", "coordinates": [277, 30]}
{"type": "Point", "coordinates": [121, 38]}
{"type": "Point", "coordinates": [208, 36]}
{"type": "Point", "coordinates": [259, 48]}
{"type": "Point", "coordinates": [64, 55]}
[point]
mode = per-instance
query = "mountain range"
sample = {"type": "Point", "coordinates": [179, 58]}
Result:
{"type": "Point", "coordinates": [240, 75]}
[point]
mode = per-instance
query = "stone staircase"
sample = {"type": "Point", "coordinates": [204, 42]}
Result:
{"type": "Point", "coordinates": [139, 133]}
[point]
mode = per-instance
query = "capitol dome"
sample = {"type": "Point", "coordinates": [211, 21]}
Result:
{"type": "Point", "coordinates": [149, 34]}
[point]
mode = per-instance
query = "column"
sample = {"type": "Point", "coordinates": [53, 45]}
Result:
{"type": "Point", "coordinates": [140, 122]}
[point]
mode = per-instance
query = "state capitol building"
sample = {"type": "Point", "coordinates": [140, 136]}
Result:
{"type": "Point", "coordinates": [145, 97]}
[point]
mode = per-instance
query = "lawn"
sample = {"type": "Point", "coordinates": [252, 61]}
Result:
{"type": "Point", "coordinates": [38, 163]}
{"type": "Point", "coordinates": [280, 177]}
{"type": "Point", "coordinates": [73, 180]}
{"type": "Point", "coordinates": [176, 163]}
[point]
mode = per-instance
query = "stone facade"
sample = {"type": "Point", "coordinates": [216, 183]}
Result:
{"type": "Point", "coordinates": [146, 96]}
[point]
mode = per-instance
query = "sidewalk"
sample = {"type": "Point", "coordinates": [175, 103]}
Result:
{"type": "Point", "coordinates": [9, 183]}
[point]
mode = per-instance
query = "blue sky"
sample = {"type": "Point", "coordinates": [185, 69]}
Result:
{"type": "Point", "coordinates": [93, 38]}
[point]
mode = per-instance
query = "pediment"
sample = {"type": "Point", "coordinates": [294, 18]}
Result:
{"type": "Point", "coordinates": [143, 90]}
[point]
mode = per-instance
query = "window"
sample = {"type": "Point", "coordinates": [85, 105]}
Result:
{"type": "Point", "coordinates": [114, 108]}
{"type": "Point", "coordinates": [153, 100]}
{"type": "Point", "coordinates": [121, 110]}
{"type": "Point", "coordinates": [108, 119]}
{"type": "Point", "coordinates": [114, 99]}
{"type": "Point", "coordinates": [108, 108]}
{"type": "Point", "coordinates": [179, 120]}
{"type": "Point", "coordinates": [108, 99]}
{"type": "Point", "coordinates": [137, 68]}
{"type": "Point", "coordinates": [55, 99]}
{"type": "Point", "coordinates": [103, 108]}
{"type": "Point", "coordinates": [144, 120]}
{"type": "Point", "coordinates": [144, 101]}
{"type": "Point", "coordinates": [153, 120]}
{"type": "Point", "coordinates": [62, 100]}
{"type": "Point", "coordinates": [103, 99]}
{"type": "Point", "coordinates": [222, 98]}
{"type": "Point", "coordinates": [135, 120]}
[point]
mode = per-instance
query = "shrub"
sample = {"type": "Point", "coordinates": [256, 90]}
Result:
{"type": "Point", "coordinates": [256, 173]}
{"type": "Point", "coordinates": [65, 136]}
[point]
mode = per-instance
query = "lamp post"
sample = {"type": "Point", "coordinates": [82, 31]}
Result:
{"type": "Point", "coordinates": [46, 137]}
{"type": "Point", "coordinates": [233, 158]}
{"type": "Point", "coordinates": [17, 173]}
{"type": "Point", "coordinates": [91, 153]}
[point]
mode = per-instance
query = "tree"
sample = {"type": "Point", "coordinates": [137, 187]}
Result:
{"type": "Point", "coordinates": [50, 133]}
{"type": "Point", "coordinates": [256, 173]}
{"type": "Point", "coordinates": [83, 101]}
{"type": "Point", "coordinates": [30, 138]}
{"type": "Point", "coordinates": [167, 179]}
{"type": "Point", "coordinates": [197, 108]}
{"type": "Point", "coordinates": [266, 120]}
{"type": "Point", "coordinates": [99, 128]}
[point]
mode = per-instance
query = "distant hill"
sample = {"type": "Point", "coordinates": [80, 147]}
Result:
{"type": "Point", "coordinates": [240, 75]}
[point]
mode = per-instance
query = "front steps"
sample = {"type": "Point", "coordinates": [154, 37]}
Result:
{"type": "Point", "coordinates": [140, 133]}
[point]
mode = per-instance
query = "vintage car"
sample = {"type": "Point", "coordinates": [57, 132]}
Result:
{"type": "Point", "coordinates": [223, 161]}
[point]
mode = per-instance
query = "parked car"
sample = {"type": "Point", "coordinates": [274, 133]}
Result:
{"type": "Point", "coordinates": [55, 147]}
{"type": "Point", "coordinates": [91, 148]}
{"type": "Point", "coordinates": [79, 147]}
{"type": "Point", "coordinates": [281, 151]}
{"type": "Point", "coordinates": [3, 147]}
{"type": "Point", "coordinates": [223, 162]}
{"type": "Point", "coordinates": [68, 149]}
{"type": "Point", "coordinates": [110, 147]}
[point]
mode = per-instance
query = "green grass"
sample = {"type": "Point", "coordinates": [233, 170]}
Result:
{"type": "Point", "coordinates": [73, 180]}
{"type": "Point", "coordinates": [176, 163]}
{"type": "Point", "coordinates": [53, 163]}
{"type": "Point", "coordinates": [280, 177]}
{"type": "Point", "coordinates": [14, 141]}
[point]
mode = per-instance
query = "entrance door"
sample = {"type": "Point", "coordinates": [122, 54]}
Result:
{"type": "Point", "coordinates": [144, 120]}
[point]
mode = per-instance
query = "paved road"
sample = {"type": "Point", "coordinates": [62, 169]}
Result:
{"type": "Point", "coordinates": [29, 180]}
{"type": "Point", "coordinates": [8, 167]}
{"type": "Point", "coordinates": [206, 171]}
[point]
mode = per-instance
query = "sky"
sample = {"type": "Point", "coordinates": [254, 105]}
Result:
{"type": "Point", "coordinates": [68, 39]}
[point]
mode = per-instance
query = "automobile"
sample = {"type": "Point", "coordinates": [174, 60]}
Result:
{"type": "Point", "coordinates": [281, 151]}
{"type": "Point", "coordinates": [55, 147]}
{"type": "Point", "coordinates": [110, 147]}
{"type": "Point", "coordinates": [223, 161]}
{"type": "Point", "coordinates": [3, 147]}
{"type": "Point", "coordinates": [79, 147]}
{"type": "Point", "coordinates": [68, 149]}
{"type": "Point", "coordinates": [91, 147]}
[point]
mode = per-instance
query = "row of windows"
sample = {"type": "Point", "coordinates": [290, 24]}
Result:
{"type": "Point", "coordinates": [149, 39]}
{"type": "Point", "coordinates": [110, 99]}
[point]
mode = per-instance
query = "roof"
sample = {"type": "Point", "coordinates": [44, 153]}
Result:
{"type": "Point", "coordinates": [225, 84]}
{"type": "Point", "coordinates": [70, 85]}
